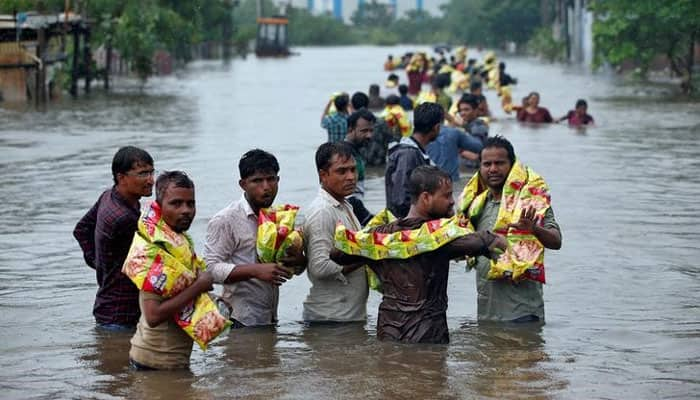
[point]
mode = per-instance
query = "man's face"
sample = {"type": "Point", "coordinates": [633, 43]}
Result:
{"type": "Point", "coordinates": [467, 112]}
{"type": "Point", "coordinates": [581, 110]}
{"type": "Point", "coordinates": [138, 181]}
{"type": "Point", "coordinates": [495, 167]}
{"type": "Point", "coordinates": [340, 178]}
{"type": "Point", "coordinates": [441, 203]}
{"type": "Point", "coordinates": [362, 133]}
{"type": "Point", "coordinates": [178, 208]}
{"type": "Point", "coordinates": [260, 188]}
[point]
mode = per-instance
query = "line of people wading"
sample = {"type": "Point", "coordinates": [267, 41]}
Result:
{"type": "Point", "coordinates": [414, 290]}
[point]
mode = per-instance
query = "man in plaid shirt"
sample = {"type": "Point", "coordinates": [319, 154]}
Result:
{"type": "Point", "coordinates": [336, 123]}
{"type": "Point", "coordinates": [105, 234]}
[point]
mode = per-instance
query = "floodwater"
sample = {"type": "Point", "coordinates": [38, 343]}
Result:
{"type": "Point", "coordinates": [622, 296]}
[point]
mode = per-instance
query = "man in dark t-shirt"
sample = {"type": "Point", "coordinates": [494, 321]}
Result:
{"type": "Point", "coordinates": [414, 302]}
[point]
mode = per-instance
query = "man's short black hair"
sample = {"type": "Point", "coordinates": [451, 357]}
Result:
{"type": "Point", "coordinates": [499, 142]}
{"type": "Point", "coordinates": [361, 113]}
{"type": "Point", "coordinates": [359, 100]}
{"type": "Point", "coordinates": [426, 115]}
{"type": "Point", "coordinates": [442, 81]}
{"type": "Point", "coordinates": [470, 99]}
{"type": "Point", "coordinates": [474, 86]}
{"type": "Point", "coordinates": [125, 158]}
{"type": "Point", "coordinates": [175, 178]}
{"type": "Point", "coordinates": [257, 161]}
{"type": "Point", "coordinates": [393, 100]}
{"type": "Point", "coordinates": [393, 77]}
{"type": "Point", "coordinates": [426, 178]}
{"type": "Point", "coordinates": [403, 89]}
{"type": "Point", "coordinates": [341, 102]}
{"type": "Point", "coordinates": [581, 103]}
{"type": "Point", "coordinates": [326, 151]}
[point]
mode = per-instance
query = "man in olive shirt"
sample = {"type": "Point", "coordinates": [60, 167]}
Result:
{"type": "Point", "coordinates": [504, 300]}
{"type": "Point", "coordinates": [338, 293]}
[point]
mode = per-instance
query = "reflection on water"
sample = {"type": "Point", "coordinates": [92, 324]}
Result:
{"type": "Point", "coordinates": [622, 295]}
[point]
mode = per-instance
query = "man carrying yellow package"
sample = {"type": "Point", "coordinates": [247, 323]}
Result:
{"type": "Point", "coordinates": [414, 296]}
{"type": "Point", "coordinates": [173, 282]}
{"type": "Point", "coordinates": [510, 199]}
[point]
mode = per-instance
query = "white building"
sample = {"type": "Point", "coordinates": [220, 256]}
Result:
{"type": "Point", "coordinates": [343, 9]}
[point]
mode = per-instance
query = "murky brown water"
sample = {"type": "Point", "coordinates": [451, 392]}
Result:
{"type": "Point", "coordinates": [623, 293]}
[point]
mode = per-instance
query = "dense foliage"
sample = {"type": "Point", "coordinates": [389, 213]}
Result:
{"type": "Point", "coordinates": [641, 30]}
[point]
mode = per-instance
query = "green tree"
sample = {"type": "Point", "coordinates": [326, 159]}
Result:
{"type": "Point", "coordinates": [492, 22]}
{"type": "Point", "coordinates": [639, 30]}
{"type": "Point", "coordinates": [373, 15]}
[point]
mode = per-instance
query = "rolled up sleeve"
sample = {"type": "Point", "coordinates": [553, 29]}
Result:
{"type": "Point", "coordinates": [218, 249]}
{"type": "Point", "coordinates": [319, 229]}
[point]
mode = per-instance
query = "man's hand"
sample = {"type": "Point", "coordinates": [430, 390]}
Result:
{"type": "Point", "coordinates": [526, 223]}
{"type": "Point", "coordinates": [272, 273]}
{"type": "Point", "coordinates": [497, 247]}
{"type": "Point", "coordinates": [295, 259]}
{"type": "Point", "coordinates": [205, 281]}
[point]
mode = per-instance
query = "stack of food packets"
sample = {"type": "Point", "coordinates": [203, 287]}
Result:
{"type": "Point", "coordinates": [276, 233]}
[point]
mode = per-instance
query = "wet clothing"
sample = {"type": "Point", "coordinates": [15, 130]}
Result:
{"type": "Point", "coordinates": [415, 81]}
{"type": "Point", "coordinates": [333, 296]}
{"type": "Point", "coordinates": [414, 302]}
{"type": "Point", "coordinates": [337, 126]}
{"type": "Point", "coordinates": [444, 151]}
{"type": "Point", "coordinates": [478, 129]}
{"type": "Point", "coordinates": [165, 346]}
{"type": "Point", "coordinates": [374, 152]}
{"type": "Point", "coordinates": [376, 103]}
{"type": "Point", "coordinates": [105, 235]}
{"type": "Point", "coordinates": [356, 199]}
{"type": "Point", "coordinates": [406, 103]}
{"type": "Point", "coordinates": [506, 80]}
{"type": "Point", "coordinates": [575, 120]}
{"type": "Point", "coordinates": [403, 158]}
{"type": "Point", "coordinates": [231, 236]}
{"type": "Point", "coordinates": [501, 300]}
{"type": "Point", "coordinates": [444, 100]}
{"type": "Point", "coordinates": [542, 115]}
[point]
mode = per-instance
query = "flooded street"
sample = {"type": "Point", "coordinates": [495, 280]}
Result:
{"type": "Point", "coordinates": [622, 298]}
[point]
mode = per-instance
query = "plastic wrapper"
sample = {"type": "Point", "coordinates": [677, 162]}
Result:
{"type": "Point", "coordinates": [276, 233]}
{"type": "Point", "coordinates": [397, 120]}
{"type": "Point", "coordinates": [399, 245]}
{"type": "Point", "coordinates": [202, 320]}
{"type": "Point", "coordinates": [163, 262]}
{"type": "Point", "coordinates": [524, 188]}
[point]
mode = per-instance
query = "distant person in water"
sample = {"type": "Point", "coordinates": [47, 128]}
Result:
{"type": "Point", "coordinates": [389, 63]}
{"type": "Point", "coordinates": [376, 102]}
{"type": "Point", "coordinates": [505, 79]}
{"type": "Point", "coordinates": [533, 112]}
{"type": "Point", "coordinates": [579, 116]}
{"type": "Point", "coordinates": [405, 101]}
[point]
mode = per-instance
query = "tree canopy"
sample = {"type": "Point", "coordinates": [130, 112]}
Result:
{"type": "Point", "coordinates": [640, 30]}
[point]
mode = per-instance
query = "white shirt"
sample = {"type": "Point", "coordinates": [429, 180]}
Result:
{"type": "Point", "coordinates": [231, 236]}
